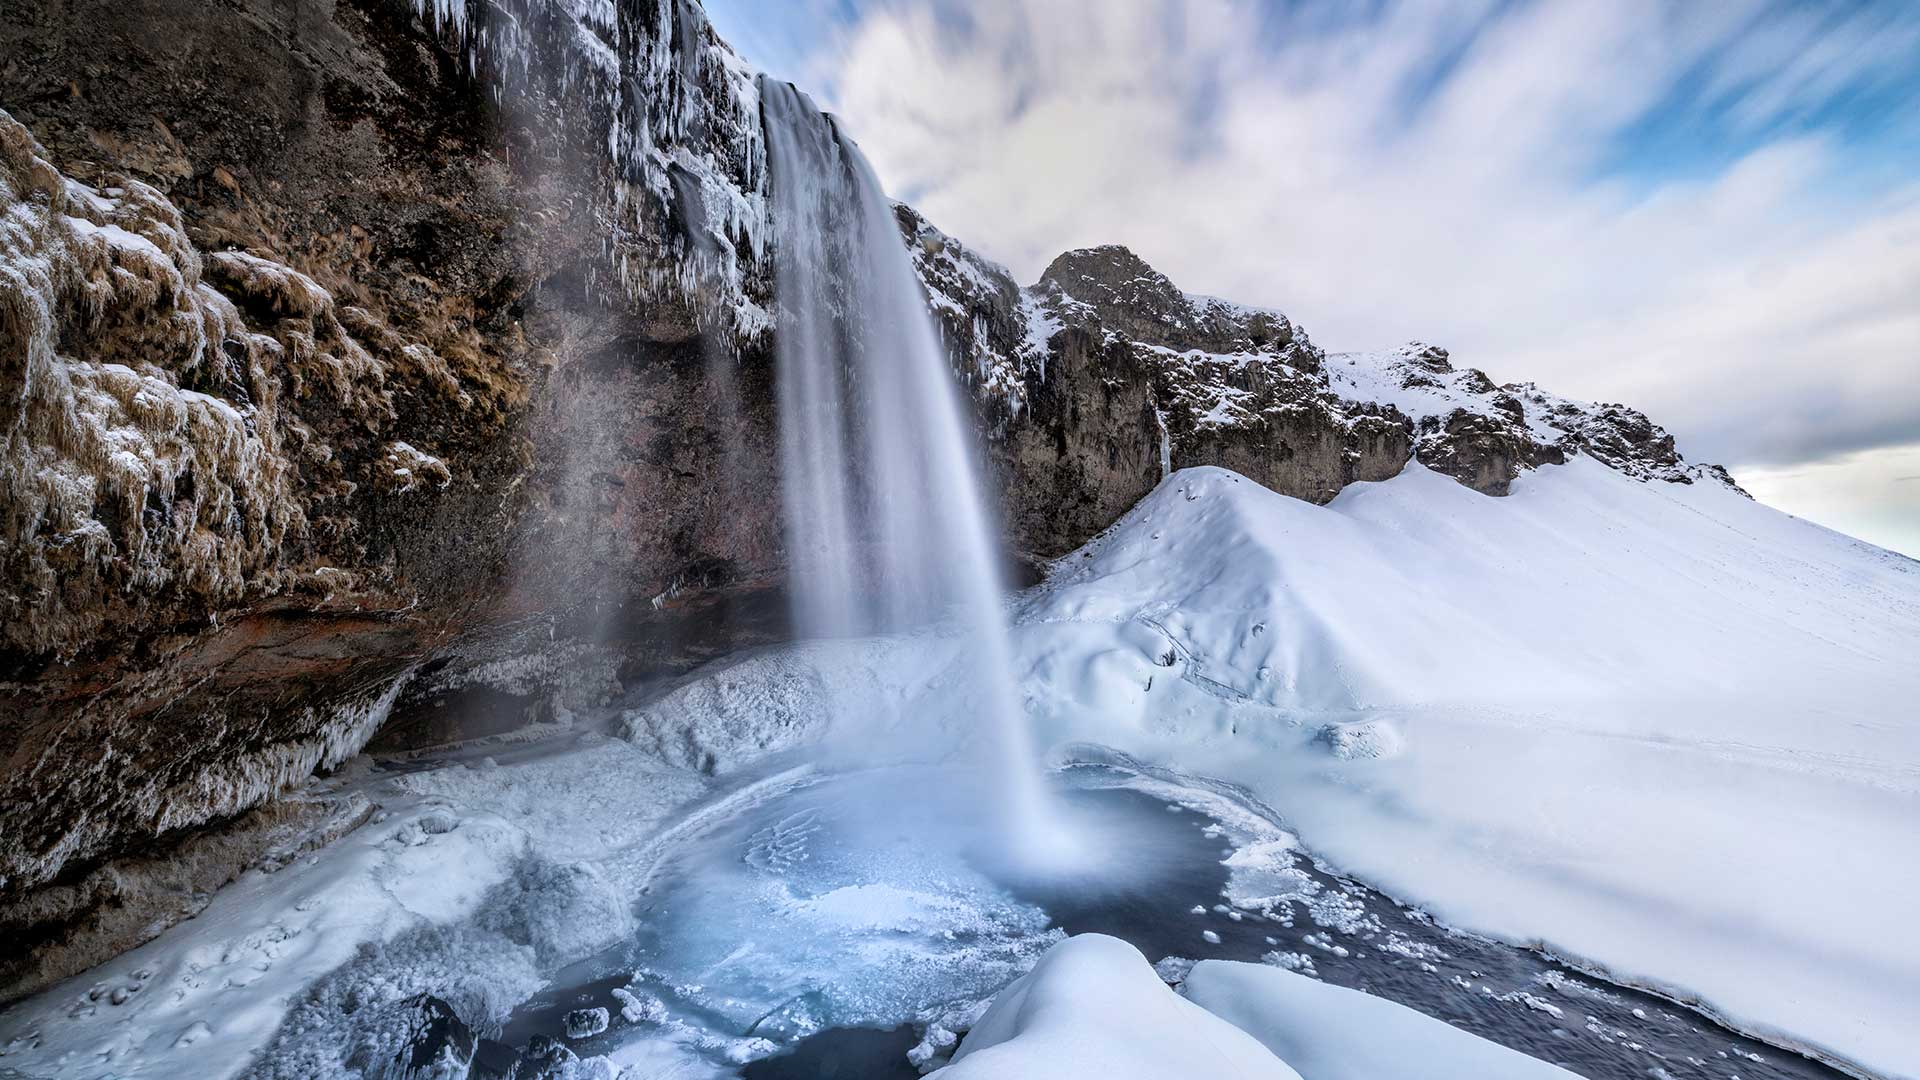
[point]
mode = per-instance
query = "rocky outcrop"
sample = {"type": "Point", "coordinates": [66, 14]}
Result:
{"type": "Point", "coordinates": [1485, 435]}
{"type": "Point", "coordinates": [1093, 380]}
{"type": "Point", "coordinates": [1103, 376]}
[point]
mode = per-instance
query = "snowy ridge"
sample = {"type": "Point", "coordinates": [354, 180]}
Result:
{"type": "Point", "coordinates": [1541, 427]}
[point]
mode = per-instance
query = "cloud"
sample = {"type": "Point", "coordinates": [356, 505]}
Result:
{"type": "Point", "coordinates": [1870, 494]}
{"type": "Point", "coordinates": [1646, 202]}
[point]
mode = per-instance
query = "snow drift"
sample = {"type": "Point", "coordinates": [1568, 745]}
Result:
{"type": "Point", "coordinates": [1658, 728]}
{"type": "Point", "coordinates": [1092, 1007]}
{"type": "Point", "coordinates": [1332, 1033]}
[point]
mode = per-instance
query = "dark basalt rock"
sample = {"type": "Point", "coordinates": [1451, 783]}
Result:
{"type": "Point", "coordinates": [586, 1023]}
{"type": "Point", "coordinates": [436, 1045]}
{"type": "Point", "coordinates": [544, 1059]}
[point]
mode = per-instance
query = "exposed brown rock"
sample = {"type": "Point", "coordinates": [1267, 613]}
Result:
{"type": "Point", "coordinates": [342, 368]}
{"type": "Point", "coordinates": [1088, 380]}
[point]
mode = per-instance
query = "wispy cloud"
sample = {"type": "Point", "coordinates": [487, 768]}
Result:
{"type": "Point", "coordinates": [1473, 173]}
{"type": "Point", "coordinates": [1711, 211]}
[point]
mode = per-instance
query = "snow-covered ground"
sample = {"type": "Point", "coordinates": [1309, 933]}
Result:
{"type": "Point", "coordinates": [1092, 1007]}
{"type": "Point", "coordinates": [203, 999]}
{"type": "Point", "coordinates": [1331, 1033]}
{"type": "Point", "coordinates": [1658, 727]}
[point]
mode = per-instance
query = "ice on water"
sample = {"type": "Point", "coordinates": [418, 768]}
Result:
{"type": "Point", "coordinates": [837, 904]}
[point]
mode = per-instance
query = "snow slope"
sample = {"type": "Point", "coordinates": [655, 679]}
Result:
{"type": "Point", "coordinates": [1660, 728]}
{"type": "Point", "coordinates": [1332, 1033]}
{"type": "Point", "coordinates": [1092, 1007]}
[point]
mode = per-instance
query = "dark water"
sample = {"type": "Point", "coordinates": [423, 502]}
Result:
{"type": "Point", "coordinates": [843, 1054]}
{"type": "Point", "coordinates": [1165, 861]}
{"type": "Point", "coordinates": [1602, 1030]}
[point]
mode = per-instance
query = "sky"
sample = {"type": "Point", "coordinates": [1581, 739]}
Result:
{"type": "Point", "coordinates": [1708, 211]}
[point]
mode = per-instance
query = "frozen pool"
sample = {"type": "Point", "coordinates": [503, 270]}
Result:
{"type": "Point", "coordinates": [819, 929]}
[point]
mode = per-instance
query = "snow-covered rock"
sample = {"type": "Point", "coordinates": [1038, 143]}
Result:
{"type": "Point", "coordinates": [1093, 1006]}
{"type": "Point", "coordinates": [676, 112]}
{"type": "Point", "coordinates": [1332, 1033]}
{"type": "Point", "coordinates": [1484, 435]}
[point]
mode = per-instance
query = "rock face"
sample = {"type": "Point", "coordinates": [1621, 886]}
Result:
{"type": "Point", "coordinates": [345, 353]}
{"type": "Point", "coordinates": [1094, 381]}
{"type": "Point", "coordinates": [1103, 376]}
{"type": "Point", "coordinates": [400, 370]}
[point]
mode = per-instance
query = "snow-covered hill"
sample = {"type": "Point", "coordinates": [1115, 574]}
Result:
{"type": "Point", "coordinates": [1658, 727]}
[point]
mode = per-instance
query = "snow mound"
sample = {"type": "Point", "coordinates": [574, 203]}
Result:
{"type": "Point", "coordinates": [1332, 1033]}
{"type": "Point", "coordinates": [1094, 1007]}
{"type": "Point", "coordinates": [1659, 727]}
{"type": "Point", "coordinates": [1362, 739]}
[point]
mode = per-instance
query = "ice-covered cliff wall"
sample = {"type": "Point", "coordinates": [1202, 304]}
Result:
{"type": "Point", "coordinates": [358, 359]}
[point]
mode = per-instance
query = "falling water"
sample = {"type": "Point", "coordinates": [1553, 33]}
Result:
{"type": "Point", "coordinates": [887, 529]}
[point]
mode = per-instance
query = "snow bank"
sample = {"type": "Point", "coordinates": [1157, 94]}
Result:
{"type": "Point", "coordinates": [1659, 727]}
{"type": "Point", "coordinates": [1332, 1033]}
{"type": "Point", "coordinates": [474, 883]}
{"type": "Point", "coordinates": [1093, 1007]}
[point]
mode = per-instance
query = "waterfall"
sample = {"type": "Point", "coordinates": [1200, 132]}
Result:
{"type": "Point", "coordinates": [886, 525]}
